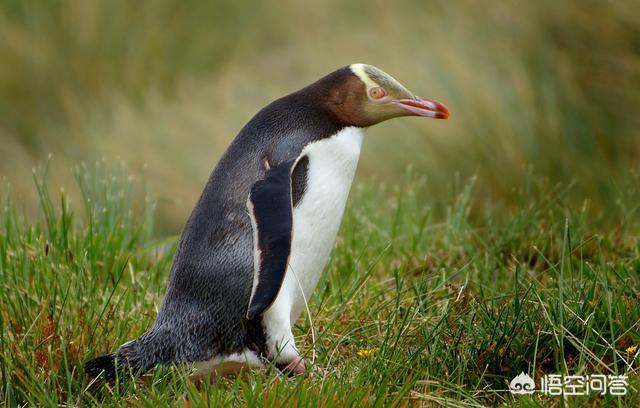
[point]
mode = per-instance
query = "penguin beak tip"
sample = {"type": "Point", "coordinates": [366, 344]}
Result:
{"type": "Point", "coordinates": [424, 107]}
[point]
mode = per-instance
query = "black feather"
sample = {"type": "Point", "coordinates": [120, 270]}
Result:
{"type": "Point", "coordinates": [103, 365]}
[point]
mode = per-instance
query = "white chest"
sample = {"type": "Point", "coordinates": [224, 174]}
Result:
{"type": "Point", "coordinates": [317, 216]}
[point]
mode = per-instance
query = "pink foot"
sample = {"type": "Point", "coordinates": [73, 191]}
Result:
{"type": "Point", "coordinates": [296, 367]}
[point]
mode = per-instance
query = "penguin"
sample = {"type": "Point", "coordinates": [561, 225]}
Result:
{"type": "Point", "coordinates": [255, 245]}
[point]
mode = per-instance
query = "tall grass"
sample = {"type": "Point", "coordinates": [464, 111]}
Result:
{"type": "Point", "coordinates": [545, 85]}
{"type": "Point", "coordinates": [58, 55]}
{"type": "Point", "coordinates": [421, 303]}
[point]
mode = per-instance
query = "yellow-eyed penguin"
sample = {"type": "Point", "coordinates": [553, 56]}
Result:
{"type": "Point", "coordinates": [254, 246]}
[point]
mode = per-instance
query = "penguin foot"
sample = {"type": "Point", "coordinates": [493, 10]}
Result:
{"type": "Point", "coordinates": [296, 367]}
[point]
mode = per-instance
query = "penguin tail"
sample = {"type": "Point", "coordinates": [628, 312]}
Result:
{"type": "Point", "coordinates": [131, 359]}
{"type": "Point", "coordinates": [103, 365]}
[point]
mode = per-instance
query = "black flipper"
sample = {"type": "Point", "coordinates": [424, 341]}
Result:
{"type": "Point", "coordinates": [271, 209]}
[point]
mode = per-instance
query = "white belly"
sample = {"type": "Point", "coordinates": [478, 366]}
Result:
{"type": "Point", "coordinates": [317, 216]}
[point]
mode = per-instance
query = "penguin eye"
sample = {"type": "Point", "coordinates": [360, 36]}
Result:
{"type": "Point", "coordinates": [377, 93]}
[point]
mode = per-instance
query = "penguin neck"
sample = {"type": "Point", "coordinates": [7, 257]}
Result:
{"type": "Point", "coordinates": [298, 112]}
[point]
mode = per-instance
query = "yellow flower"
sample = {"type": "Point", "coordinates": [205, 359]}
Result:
{"type": "Point", "coordinates": [366, 353]}
{"type": "Point", "coordinates": [632, 349]}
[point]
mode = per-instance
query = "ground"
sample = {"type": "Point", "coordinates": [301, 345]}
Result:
{"type": "Point", "coordinates": [426, 300]}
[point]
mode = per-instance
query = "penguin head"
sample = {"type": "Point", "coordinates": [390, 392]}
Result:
{"type": "Point", "coordinates": [362, 95]}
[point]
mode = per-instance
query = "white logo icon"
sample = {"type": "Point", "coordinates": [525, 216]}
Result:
{"type": "Point", "coordinates": [522, 384]}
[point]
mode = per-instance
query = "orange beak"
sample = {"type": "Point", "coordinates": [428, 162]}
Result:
{"type": "Point", "coordinates": [423, 107]}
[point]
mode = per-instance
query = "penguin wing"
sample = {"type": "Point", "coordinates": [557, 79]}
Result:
{"type": "Point", "coordinates": [271, 210]}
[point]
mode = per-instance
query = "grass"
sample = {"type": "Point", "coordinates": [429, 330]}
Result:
{"type": "Point", "coordinates": [424, 302]}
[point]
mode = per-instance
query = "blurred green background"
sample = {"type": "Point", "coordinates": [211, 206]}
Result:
{"type": "Point", "coordinates": [547, 87]}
